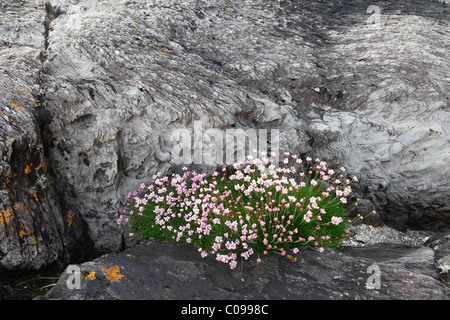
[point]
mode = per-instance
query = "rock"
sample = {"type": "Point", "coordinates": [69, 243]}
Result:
{"type": "Point", "coordinates": [440, 243]}
{"type": "Point", "coordinates": [115, 79]}
{"type": "Point", "coordinates": [159, 271]}
{"type": "Point", "coordinates": [36, 230]}
{"type": "Point", "coordinates": [8, 293]}
{"type": "Point", "coordinates": [363, 234]}
{"type": "Point", "coordinates": [121, 77]}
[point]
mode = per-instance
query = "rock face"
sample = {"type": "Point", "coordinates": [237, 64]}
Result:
{"type": "Point", "coordinates": [160, 271]}
{"type": "Point", "coordinates": [121, 78]}
{"type": "Point", "coordinates": [441, 246]}
{"type": "Point", "coordinates": [99, 87]}
{"type": "Point", "coordinates": [36, 229]}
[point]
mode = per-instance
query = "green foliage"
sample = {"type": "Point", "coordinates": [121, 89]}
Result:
{"type": "Point", "coordinates": [248, 208]}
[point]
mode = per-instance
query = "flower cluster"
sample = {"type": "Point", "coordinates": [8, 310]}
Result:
{"type": "Point", "coordinates": [245, 209]}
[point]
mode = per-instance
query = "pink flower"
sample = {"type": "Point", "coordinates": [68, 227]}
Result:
{"type": "Point", "coordinates": [336, 220]}
{"type": "Point", "coordinates": [321, 249]}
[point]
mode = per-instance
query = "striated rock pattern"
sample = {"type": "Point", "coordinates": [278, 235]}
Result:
{"type": "Point", "coordinates": [92, 91]}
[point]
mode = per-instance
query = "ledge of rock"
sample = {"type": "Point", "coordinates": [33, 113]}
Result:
{"type": "Point", "coordinates": [156, 270]}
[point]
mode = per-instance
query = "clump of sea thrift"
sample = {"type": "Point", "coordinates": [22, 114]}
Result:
{"type": "Point", "coordinates": [246, 209]}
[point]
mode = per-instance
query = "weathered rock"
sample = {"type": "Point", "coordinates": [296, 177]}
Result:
{"type": "Point", "coordinates": [121, 77]}
{"type": "Point", "coordinates": [156, 270]}
{"type": "Point", "coordinates": [116, 78]}
{"type": "Point", "coordinates": [440, 243]}
{"type": "Point", "coordinates": [36, 230]}
{"type": "Point", "coordinates": [363, 235]}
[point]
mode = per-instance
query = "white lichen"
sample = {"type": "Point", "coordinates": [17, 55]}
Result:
{"type": "Point", "coordinates": [444, 264]}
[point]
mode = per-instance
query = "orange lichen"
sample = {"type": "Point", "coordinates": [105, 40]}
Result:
{"type": "Point", "coordinates": [28, 96]}
{"type": "Point", "coordinates": [22, 233]}
{"type": "Point", "coordinates": [34, 195]}
{"type": "Point", "coordinates": [28, 168]}
{"type": "Point", "coordinates": [6, 216]}
{"type": "Point", "coordinates": [69, 220]}
{"type": "Point", "coordinates": [113, 274]}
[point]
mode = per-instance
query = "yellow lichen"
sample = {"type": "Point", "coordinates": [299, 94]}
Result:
{"type": "Point", "coordinates": [91, 275]}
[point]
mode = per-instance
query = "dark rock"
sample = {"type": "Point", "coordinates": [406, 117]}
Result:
{"type": "Point", "coordinates": [8, 293]}
{"type": "Point", "coordinates": [156, 270]}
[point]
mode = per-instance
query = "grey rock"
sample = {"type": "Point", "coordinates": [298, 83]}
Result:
{"type": "Point", "coordinates": [116, 100]}
{"type": "Point", "coordinates": [363, 234]}
{"type": "Point", "coordinates": [116, 78]}
{"type": "Point", "coordinates": [154, 270]}
{"type": "Point", "coordinates": [440, 243]}
{"type": "Point", "coordinates": [34, 225]}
